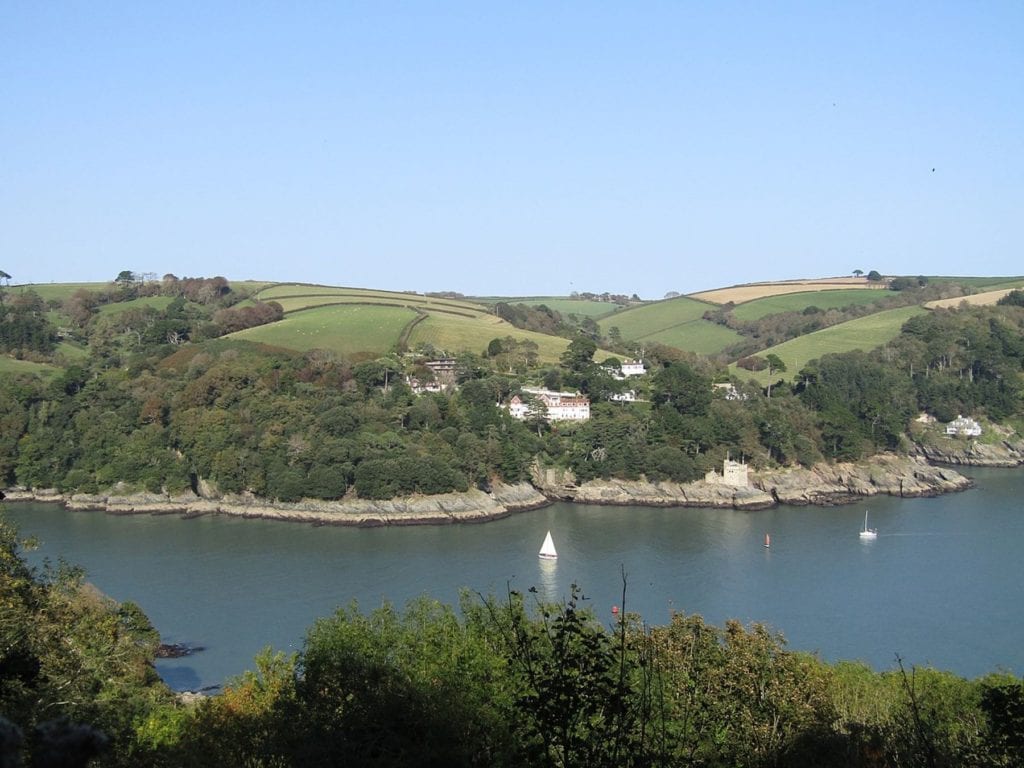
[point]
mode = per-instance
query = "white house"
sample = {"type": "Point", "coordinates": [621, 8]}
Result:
{"type": "Point", "coordinates": [729, 391]}
{"type": "Point", "coordinates": [633, 368]}
{"type": "Point", "coordinates": [420, 387]}
{"type": "Point", "coordinates": [629, 396]}
{"type": "Point", "coordinates": [963, 426]}
{"type": "Point", "coordinates": [559, 406]}
{"type": "Point", "coordinates": [627, 368]}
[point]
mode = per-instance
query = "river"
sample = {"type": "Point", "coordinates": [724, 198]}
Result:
{"type": "Point", "coordinates": [941, 584]}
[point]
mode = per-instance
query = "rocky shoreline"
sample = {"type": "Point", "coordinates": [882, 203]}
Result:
{"type": "Point", "coordinates": [472, 506]}
{"type": "Point", "coordinates": [821, 485]}
{"type": "Point", "coordinates": [1008, 452]}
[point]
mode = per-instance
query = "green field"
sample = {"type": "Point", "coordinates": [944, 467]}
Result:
{"type": "Point", "coordinates": [796, 302]}
{"type": "Point", "coordinates": [638, 322]}
{"type": "Point", "coordinates": [561, 304]}
{"type": "Point", "coordinates": [351, 330]}
{"type": "Point", "coordinates": [10, 366]}
{"type": "Point", "coordinates": [252, 286]}
{"type": "Point", "coordinates": [981, 283]}
{"type": "Point", "coordinates": [449, 325]}
{"type": "Point", "coordinates": [299, 296]}
{"type": "Point", "coordinates": [58, 291]}
{"type": "Point", "coordinates": [452, 333]}
{"type": "Point", "coordinates": [864, 333]}
{"type": "Point", "coordinates": [333, 321]}
{"type": "Point", "coordinates": [1017, 282]}
{"type": "Point", "coordinates": [698, 336]}
{"type": "Point", "coordinates": [300, 303]}
{"type": "Point", "coordinates": [676, 322]}
{"type": "Point", "coordinates": [72, 352]}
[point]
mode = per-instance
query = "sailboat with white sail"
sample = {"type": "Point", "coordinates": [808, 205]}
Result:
{"type": "Point", "coordinates": [868, 533]}
{"type": "Point", "coordinates": [547, 550]}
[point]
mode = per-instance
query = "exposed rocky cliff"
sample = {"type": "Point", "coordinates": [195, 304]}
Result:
{"type": "Point", "coordinates": [1008, 452]}
{"type": "Point", "coordinates": [887, 474]}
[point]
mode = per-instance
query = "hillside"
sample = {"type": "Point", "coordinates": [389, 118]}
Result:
{"type": "Point", "coordinates": [674, 322]}
{"type": "Point", "coordinates": [567, 305]}
{"type": "Point", "coordinates": [796, 319]}
{"type": "Point", "coordinates": [864, 334]}
{"type": "Point", "coordinates": [364, 323]}
{"type": "Point", "coordinates": [738, 294]}
{"type": "Point", "coordinates": [798, 301]}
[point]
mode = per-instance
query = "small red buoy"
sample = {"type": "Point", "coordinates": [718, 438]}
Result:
{"type": "Point", "coordinates": [615, 609]}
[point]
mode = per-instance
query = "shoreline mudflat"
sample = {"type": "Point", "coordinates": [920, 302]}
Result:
{"type": "Point", "coordinates": [821, 485]}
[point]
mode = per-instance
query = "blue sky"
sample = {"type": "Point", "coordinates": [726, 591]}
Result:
{"type": "Point", "coordinates": [511, 148]}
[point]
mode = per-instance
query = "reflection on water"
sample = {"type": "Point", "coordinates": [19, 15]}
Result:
{"type": "Point", "coordinates": [548, 580]}
{"type": "Point", "coordinates": [235, 586]}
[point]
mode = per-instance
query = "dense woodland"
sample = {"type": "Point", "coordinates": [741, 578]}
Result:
{"type": "Point", "coordinates": [158, 402]}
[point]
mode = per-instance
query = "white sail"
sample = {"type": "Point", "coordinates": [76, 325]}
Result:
{"type": "Point", "coordinates": [547, 550]}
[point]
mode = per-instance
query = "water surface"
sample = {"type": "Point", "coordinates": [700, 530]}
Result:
{"type": "Point", "coordinates": [940, 585]}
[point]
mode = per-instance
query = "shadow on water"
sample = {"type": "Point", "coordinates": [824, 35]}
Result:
{"type": "Point", "coordinates": [178, 677]}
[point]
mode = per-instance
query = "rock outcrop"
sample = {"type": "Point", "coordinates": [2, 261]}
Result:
{"type": "Point", "coordinates": [826, 484]}
{"type": "Point", "coordinates": [1008, 452]}
{"type": "Point", "coordinates": [471, 506]}
{"type": "Point", "coordinates": [823, 484]}
{"type": "Point", "coordinates": [668, 494]}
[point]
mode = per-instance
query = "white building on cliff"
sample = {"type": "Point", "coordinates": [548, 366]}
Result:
{"type": "Point", "coordinates": [558, 406]}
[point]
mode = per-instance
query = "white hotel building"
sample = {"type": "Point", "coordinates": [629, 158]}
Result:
{"type": "Point", "coordinates": [559, 406]}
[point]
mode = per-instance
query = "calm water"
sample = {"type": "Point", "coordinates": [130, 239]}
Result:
{"type": "Point", "coordinates": [941, 585]}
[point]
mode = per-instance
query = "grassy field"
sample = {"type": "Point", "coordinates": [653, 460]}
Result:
{"type": "Point", "coordinates": [352, 330]}
{"type": "Point", "coordinates": [739, 294]}
{"type": "Point", "coordinates": [1007, 285]}
{"type": "Point", "coordinates": [980, 283]}
{"type": "Point", "coordinates": [10, 366]}
{"type": "Point", "coordinates": [299, 296]}
{"type": "Point", "coordinates": [864, 333]}
{"type": "Point", "coordinates": [561, 304]}
{"type": "Point", "coordinates": [795, 302]}
{"type": "Point", "coordinates": [453, 333]}
{"type": "Point", "coordinates": [253, 286]}
{"type": "Point", "coordinates": [363, 323]}
{"type": "Point", "coordinates": [58, 291]}
{"type": "Point", "coordinates": [638, 322]}
{"type": "Point", "coordinates": [300, 303]}
{"type": "Point", "coordinates": [676, 322]}
{"type": "Point", "coordinates": [975, 299]}
{"type": "Point", "coordinates": [72, 352]}
{"type": "Point", "coordinates": [698, 336]}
